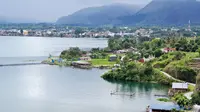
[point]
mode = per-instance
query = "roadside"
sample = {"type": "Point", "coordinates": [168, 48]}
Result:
{"type": "Point", "coordinates": [188, 94]}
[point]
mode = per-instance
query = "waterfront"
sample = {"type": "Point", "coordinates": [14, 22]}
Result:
{"type": "Point", "coordinates": [45, 88]}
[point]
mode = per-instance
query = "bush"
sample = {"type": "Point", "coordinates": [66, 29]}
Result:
{"type": "Point", "coordinates": [182, 100]}
{"type": "Point", "coordinates": [163, 99]}
{"type": "Point", "coordinates": [137, 72]}
{"type": "Point", "coordinates": [196, 98]}
{"type": "Point", "coordinates": [158, 53]}
{"type": "Point", "coordinates": [72, 53]}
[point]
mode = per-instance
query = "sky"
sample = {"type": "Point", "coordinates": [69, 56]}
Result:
{"type": "Point", "coordinates": [51, 10]}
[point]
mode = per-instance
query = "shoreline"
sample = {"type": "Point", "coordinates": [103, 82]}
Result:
{"type": "Point", "coordinates": [49, 37]}
{"type": "Point", "coordinates": [89, 67]}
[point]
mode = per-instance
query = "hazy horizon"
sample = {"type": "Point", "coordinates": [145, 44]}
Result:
{"type": "Point", "coordinates": [51, 10]}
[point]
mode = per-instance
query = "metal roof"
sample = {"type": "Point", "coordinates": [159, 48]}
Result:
{"type": "Point", "coordinates": [165, 106]}
{"type": "Point", "coordinates": [180, 85]}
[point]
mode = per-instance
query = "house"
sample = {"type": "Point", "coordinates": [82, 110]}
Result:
{"type": "Point", "coordinates": [167, 50]}
{"type": "Point", "coordinates": [81, 64]}
{"type": "Point", "coordinates": [85, 58]}
{"type": "Point", "coordinates": [25, 32]}
{"type": "Point", "coordinates": [113, 58]}
{"type": "Point", "coordinates": [177, 87]}
{"type": "Point", "coordinates": [180, 86]}
{"type": "Point", "coordinates": [163, 107]}
{"type": "Point", "coordinates": [141, 60]}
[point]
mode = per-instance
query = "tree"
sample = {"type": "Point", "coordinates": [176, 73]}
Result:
{"type": "Point", "coordinates": [158, 53]}
{"type": "Point", "coordinates": [146, 45]}
{"type": "Point", "coordinates": [72, 53]}
{"type": "Point", "coordinates": [182, 100]}
{"type": "Point", "coordinates": [178, 55]}
{"type": "Point", "coordinates": [198, 50]}
{"type": "Point", "coordinates": [177, 45]}
{"type": "Point", "coordinates": [156, 43]}
{"type": "Point", "coordinates": [198, 83]}
{"type": "Point", "coordinates": [195, 98]}
{"type": "Point", "coordinates": [194, 48]}
{"type": "Point", "coordinates": [79, 31]}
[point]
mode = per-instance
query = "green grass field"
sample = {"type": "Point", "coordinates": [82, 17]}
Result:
{"type": "Point", "coordinates": [102, 62]}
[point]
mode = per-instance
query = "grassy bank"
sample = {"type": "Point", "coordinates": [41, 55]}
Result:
{"type": "Point", "coordinates": [177, 65]}
{"type": "Point", "coordinates": [102, 62]}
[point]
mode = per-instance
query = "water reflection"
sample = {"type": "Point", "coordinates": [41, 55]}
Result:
{"type": "Point", "coordinates": [34, 84]}
{"type": "Point", "coordinates": [44, 88]}
{"type": "Point", "coordinates": [140, 89]}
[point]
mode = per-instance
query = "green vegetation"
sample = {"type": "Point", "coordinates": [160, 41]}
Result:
{"type": "Point", "coordinates": [176, 64]}
{"type": "Point", "coordinates": [196, 96]}
{"type": "Point", "coordinates": [182, 100]}
{"type": "Point", "coordinates": [191, 88]}
{"type": "Point", "coordinates": [164, 99]}
{"type": "Point", "coordinates": [102, 62]}
{"type": "Point", "coordinates": [198, 83]}
{"type": "Point", "coordinates": [121, 43]}
{"type": "Point", "coordinates": [99, 57]}
{"type": "Point", "coordinates": [138, 72]}
{"type": "Point", "coordinates": [72, 54]}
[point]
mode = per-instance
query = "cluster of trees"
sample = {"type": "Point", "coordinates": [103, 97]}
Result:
{"type": "Point", "coordinates": [152, 47]}
{"type": "Point", "coordinates": [131, 71]}
{"type": "Point", "coordinates": [121, 43]}
{"type": "Point", "coordinates": [182, 101]}
{"type": "Point", "coordinates": [146, 48]}
{"type": "Point", "coordinates": [175, 63]}
{"type": "Point", "coordinates": [97, 53]}
{"type": "Point", "coordinates": [72, 53]}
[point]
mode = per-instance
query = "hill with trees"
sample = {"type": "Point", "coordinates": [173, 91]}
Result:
{"type": "Point", "coordinates": [177, 63]}
{"type": "Point", "coordinates": [166, 12]}
{"type": "Point", "coordinates": [157, 12]}
{"type": "Point", "coordinates": [99, 15]}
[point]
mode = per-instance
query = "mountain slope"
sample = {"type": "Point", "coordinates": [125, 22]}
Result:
{"type": "Point", "coordinates": [99, 15]}
{"type": "Point", "coordinates": [166, 12]}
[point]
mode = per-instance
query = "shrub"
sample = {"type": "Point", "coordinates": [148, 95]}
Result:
{"type": "Point", "coordinates": [163, 99]}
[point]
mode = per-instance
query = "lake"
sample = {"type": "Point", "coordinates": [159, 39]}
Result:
{"type": "Point", "coordinates": [37, 46]}
{"type": "Point", "coordinates": [45, 88]}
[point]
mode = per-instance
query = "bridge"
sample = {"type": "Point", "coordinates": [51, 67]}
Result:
{"type": "Point", "coordinates": [20, 64]}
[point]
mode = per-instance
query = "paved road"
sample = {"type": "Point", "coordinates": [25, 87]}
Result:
{"type": "Point", "coordinates": [189, 94]}
{"type": "Point", "coordinates": [169, 76]}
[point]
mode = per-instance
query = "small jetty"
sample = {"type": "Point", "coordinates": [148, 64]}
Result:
{"type": "Point", "coordinates": [20, 64]}
{"type": "Point", "coordinates": [122, 93]}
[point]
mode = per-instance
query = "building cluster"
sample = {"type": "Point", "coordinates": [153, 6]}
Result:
{"type": "Point", "coordinates": [72, 33]}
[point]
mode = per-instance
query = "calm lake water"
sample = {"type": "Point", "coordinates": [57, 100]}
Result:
{"type": "Point", "coordinates": [45, 88]}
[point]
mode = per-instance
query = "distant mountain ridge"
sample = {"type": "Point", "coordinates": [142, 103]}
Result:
{"type": "Point", "coordinates": [165, 12]}
{"type": "Point", "coordinates": [99, 15]}
{"type": "Point", "coordinates": [157, 12]}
